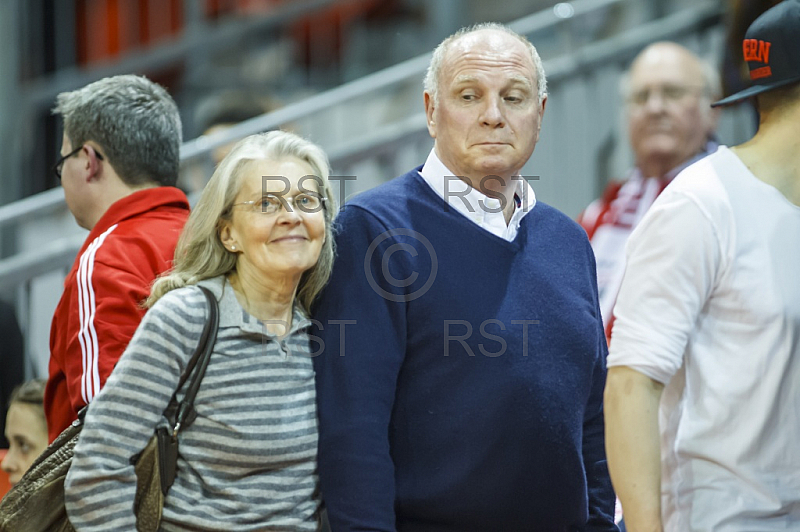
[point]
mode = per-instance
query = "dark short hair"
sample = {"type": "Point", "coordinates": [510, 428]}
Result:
{"type": "Point", "coordinates": [30, 392]}
{"type": "Point", "coordinates": [135, 122]}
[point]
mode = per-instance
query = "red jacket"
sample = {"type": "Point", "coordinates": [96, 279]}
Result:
{"type": "Point", "coordinates": [100, 308]}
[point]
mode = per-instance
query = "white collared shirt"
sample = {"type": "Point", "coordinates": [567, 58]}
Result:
{"type": "Point", "coordinates": [484, 211]}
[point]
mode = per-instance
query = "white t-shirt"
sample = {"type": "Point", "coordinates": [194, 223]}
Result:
{"type": "Point", "coordinates": [710, 306]}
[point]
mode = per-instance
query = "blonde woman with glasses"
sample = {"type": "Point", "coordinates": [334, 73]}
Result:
{"type": "Point", "coordinates": [260, 240]}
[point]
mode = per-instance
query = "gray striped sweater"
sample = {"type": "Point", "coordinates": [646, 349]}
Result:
{"type": "Point", "coordinates": [248, 462]}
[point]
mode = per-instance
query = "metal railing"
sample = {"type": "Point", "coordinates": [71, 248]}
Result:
{"type": "Point", "coordinates": [198, 36]}
{"type": "Point", "coordinates": [379, 145]}
{"type": "Point", "coordinates": [584, 59]}
{"type": "Point", "coordinates": [413, 69]}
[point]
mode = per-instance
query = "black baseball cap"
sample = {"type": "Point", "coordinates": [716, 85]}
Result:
{"type": "Point", "coordinates": [772, 51]}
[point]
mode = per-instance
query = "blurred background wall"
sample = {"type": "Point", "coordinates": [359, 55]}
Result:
{"type": "Point", "coordinates": [345, 73]}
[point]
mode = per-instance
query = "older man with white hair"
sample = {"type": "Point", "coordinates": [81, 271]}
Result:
{"type": "Point", "coordinates": [460, 381]}
{"type": "Point", "coordinates": [668, 93]}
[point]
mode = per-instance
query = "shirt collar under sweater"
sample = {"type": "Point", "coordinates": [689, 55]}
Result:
{"type": "Point", "coordinates": [231, 313]}
{"type": "Point", "coordinates": [485, 212]}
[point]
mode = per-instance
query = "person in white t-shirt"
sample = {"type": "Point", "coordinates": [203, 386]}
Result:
{"type": "Point", "coordinates": [702, 400]}
{"type": "Point", "coordinates": [667, 92]}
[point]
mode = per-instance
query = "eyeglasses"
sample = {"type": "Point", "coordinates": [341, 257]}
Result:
{"type": "Point", "coordinates": [60, 163]}
{"type": "Point", "coordinates": [272, 203]}
{"type": "Point", "coordinates": [668, 93]}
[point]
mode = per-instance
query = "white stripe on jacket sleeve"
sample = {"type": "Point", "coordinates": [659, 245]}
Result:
{"type": "Point", "coordinates": [87, 307]}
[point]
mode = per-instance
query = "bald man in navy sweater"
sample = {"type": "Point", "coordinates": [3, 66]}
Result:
{"type": "Point", "coordinates": [460, 385]}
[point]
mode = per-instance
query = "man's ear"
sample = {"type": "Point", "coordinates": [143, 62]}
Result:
{"type": "Point", "coordinates": [430, 107]}
{"type": "Point", "coordinates": [93, 167]}
{"type": "Point", "coordinates": [541, 111]}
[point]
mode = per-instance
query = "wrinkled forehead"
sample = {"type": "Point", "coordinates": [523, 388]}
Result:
{"type": "Point", "coordinates": [493, 48]}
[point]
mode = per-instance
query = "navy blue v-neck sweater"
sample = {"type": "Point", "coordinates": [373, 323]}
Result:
{"type": "Point", "coordinates": [460, 383]}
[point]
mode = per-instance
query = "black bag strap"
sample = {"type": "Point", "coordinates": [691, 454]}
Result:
{"type": "Point", "coordinates": [181, 415]}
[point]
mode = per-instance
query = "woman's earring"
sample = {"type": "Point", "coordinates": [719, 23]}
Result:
{"type": "Point", "coordinates": [233, 248]}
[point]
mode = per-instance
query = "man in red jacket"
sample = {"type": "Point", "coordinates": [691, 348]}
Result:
{"type": "Point", "coordinates": [118, 166]}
